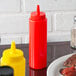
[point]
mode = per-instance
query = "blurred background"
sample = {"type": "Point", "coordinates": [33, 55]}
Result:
{"type": "Point", "coordinates": [14, 19]}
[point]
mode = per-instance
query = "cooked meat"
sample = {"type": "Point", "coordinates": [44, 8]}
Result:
{"type": "Point", "coordinates": [71, 74]}
{"type": "Point", "coordinates": [68, 71]}
{"type": "Point", "coordinates": [70, 61]}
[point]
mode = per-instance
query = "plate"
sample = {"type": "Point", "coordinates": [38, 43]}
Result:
{"type": "Point", "coordinates": [55, 66]}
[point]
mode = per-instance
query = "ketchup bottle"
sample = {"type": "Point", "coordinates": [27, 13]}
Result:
{"type": "Point", "coordinates": [41, 72]}
{"type": "Point", "coordinates": [38, 40]}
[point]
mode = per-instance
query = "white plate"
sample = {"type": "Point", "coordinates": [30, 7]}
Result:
{"type": "Point", "coordinates": [54, 68]}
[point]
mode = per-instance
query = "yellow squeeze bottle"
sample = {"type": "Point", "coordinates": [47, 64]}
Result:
{"type": "Point", "coordinates": [14, 58]}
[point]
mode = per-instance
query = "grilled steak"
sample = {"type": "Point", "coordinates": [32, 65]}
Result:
{"type": "Point", "coordinates": [70, 61]}
{"type": "Point", "coordinates": [69, 71]}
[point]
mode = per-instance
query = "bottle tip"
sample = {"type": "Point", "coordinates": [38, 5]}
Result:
{"type": "Point", "coordinates": [38, 10]}
{"type": "Point", "coordinates": [13, 45]}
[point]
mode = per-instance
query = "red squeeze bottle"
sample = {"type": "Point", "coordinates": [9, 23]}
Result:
{"type": "Point", "coordinates": [38, 40]}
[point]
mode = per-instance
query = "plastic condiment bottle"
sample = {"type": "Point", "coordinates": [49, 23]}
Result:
{"type": "Point", "coordinates": [14, 58]}
{"type": "Point", "coordinates": [6, 71]}
{"type": "Point", "coordinates": [38, 40]}
{"type": "Point", "coordinates": [41, 72]}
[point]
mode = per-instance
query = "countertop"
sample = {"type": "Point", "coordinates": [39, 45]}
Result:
{"type": "Point", "coordinates": [54, 51]}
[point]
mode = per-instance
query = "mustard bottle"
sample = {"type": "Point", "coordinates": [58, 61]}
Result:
{"type": "Point", "coordinates": [14, 58]}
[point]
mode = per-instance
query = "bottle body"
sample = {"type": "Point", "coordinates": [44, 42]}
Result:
{"type": "Point", "coordinates": [41, 72]}
{"type": "Point", "coordinates": [17, 65]}
{"type": "Point", "coordinates": [73, 37]}
{"type": "Point", "coordinates": [38, 44]}
{"type": "Point", "coordinates": [15, 59]}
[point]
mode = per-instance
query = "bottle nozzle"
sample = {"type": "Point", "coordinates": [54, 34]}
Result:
{"type": "Point", "coordinates": [38, 10]}
{"type": "Point", "coordinates": [13, 45]}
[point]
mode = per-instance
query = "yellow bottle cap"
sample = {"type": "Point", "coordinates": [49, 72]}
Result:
{"type": "Point", "coordinates": [12, 54]}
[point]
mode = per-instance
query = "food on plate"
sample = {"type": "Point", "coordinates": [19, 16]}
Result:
{"type": "Point", "coordinates": [70, 61]}
{"type": "Point", "coordinates": [68, 71]}
{"type": "Point", "coordinates": [70, 65]}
